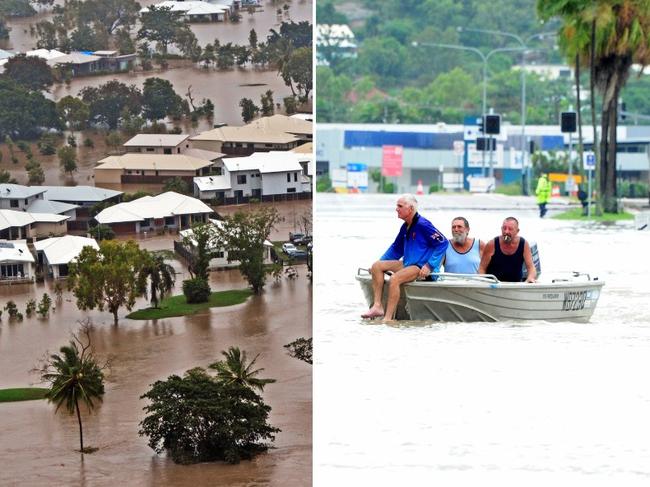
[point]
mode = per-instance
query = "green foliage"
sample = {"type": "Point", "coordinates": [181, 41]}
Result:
{"type": "Point", "coordinates": [30, 307]}
{"type": "Point", "coordinates": [434, 188]}
{"type": "Point", "coordinates": [47, 144]}
{"type": "Point", "coordinates": [177, 184]}
{"type": "Point", "coordinates": [88, 142]}
{"type": "Point", "coordinates": [159, 99]}
{"type": "Point", "coordinates": [160, 275]}
{"type": "Point", "coordinates": [22, 394]}
{"type": "Point", "coordinates": [44, 305]}
{"type": "Point", "coordinates": [107, 278]}
{"type": "Point", "coordinates": [74, 376]}
{"type": "Point", "coordinates": [196, 290]}
{"type": "Point", "coordinates": [510, 189]}
{"type": "Point", "coordinates": [576, 214]}
{"type": "Point", "coordinates": [67, 159]}
{"type": "Point", "coordinates": [16, 8]}
{"type": "Point", "coordinates": [323, 184]}
{"type": "Point", "coordinates": [200, 418]}
{"type": "Point", "coordinates": [160, 25]}
{"type": "Point", "coordinates": [628, 189]}
{"type": "Point", "coordinates": [326, 14]}
{"type": "Point", "coordinates": [24, 113]}
{"type": "Point", "coordinates": [248, 109]}
{"type": "Point", "coordinates": [101, 232]}
{"type": "Point", "coordinates": [301, 348]}
{"type": "Point", "coordinates": [289, 105]}
{"type": "Point", "coordinates": [11, 309]}
{"type": "Point", "coordinates": [108, 102]}
{"type": "Point", "coordinates": [178, 305]}
{"type": "Point", "coordinates": [31, 72]}
{"type": "Point", "coordinates": [242, 236]}
{"type": "Point", "coordinates": [74, 112]}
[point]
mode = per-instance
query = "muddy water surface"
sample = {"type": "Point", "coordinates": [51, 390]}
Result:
{"type": "Point", "coordinates": [41, 444]}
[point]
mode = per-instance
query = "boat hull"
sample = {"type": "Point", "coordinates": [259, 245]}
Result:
{"type": "Point", "coordinates": [462, 301]}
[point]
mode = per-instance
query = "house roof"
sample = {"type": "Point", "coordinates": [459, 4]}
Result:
{"type": "Point", "coordinates": [5, 54]}
{"type": "Point", "coordinates": [73, 58]}
{"type": "Point", "coordinates": [12, 218]}
{"type": "Point", "coordinates": [191, 7]}
{"type": "Point", "coordinates": [13, 191]}
{"type": "Point", "coordinates": [46, 54]}
{"type": "Point", "coordinates": [265, 162]}
{"type": "Point", "coordinates": [160, 206]}
{"type": "Point", "coordinates": [213, 183]}
{"type": "Point", "coordinates": [15, 251]}
{"type": "Point", "coordinates": [62, 250]}
{"type": "Point", "coordinates": [283, 123]}
{"type": "Point", "coordinates": [208, 155]}
{"type": "Point", "coordinates": [78, 193]}
{"type": "Point", "coordinates": [156, 140]}
{"type": "Point", "coordinates": [48, 206]}
{"type": "Point", "coordinates": [246, 134]}
{"type": "Point", "coordinates": [307, 148]}
{"type": "Point", "coordinates": [170, 162]}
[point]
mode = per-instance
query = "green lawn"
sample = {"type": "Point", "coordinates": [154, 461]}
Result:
{"type": "Point", "coordinates": [178, 306]}
{"type": "Point", "coordinates": [576, 214]}
{"type": "Point", "coordinates": [22, 394]}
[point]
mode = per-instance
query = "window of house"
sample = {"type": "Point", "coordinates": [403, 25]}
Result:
{"type": "Point", "coordinates": [219, 255]}
{"type": "Point", "coordinates": [14, 203]}
{"type": "Point", "coordinates": [288, 177]}
{"type": "Point", "coordinates": [170, 220]}
{"type": "Point", "coordinates": [291, 190]}
{"type": "Point", "coordinates": [295, 177]}
{"type": "Point", "coordinates": [150, 149]}
{"type": "Point", "coordinates": [241, 179]}
{"type": "Point", "coordinates": [167, 151]}
{"type": "Point", "coordinates": [178, 150]}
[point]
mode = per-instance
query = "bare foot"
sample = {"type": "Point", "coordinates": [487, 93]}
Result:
{"type": "Point", "coordinates": [373, 313]}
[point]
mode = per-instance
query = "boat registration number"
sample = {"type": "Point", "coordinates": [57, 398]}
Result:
{"type": "Point", "coordinates": [574, 300]}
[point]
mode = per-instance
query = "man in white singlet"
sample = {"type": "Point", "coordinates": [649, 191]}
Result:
{"type": "Point", "coordinates": [463, 256]}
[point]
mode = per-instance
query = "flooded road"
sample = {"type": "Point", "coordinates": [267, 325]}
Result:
{"type": "Point", "coordinates": [41, 444]}
{"type": "Point", "coordinates": [506, 404]}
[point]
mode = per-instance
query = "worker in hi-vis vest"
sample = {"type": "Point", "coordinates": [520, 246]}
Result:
{"type": "Point", "coordinates": [543, 193]}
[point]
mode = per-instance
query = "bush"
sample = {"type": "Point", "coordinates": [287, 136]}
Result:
{"type": "Point", "coordinates": [434, 188]}
{"type": "Point", "coordinates": [12, 309]}
{"type": "Point", "coordinates": [47, 145]}
{"type": "Point", "coordinates": [196, 290]}
{"type": "Point", "coordinates": [88, 142]}
{"type": "Point", "coordinates": [44, 306]}
{"type": "Point", "coordinates": [30, 307]}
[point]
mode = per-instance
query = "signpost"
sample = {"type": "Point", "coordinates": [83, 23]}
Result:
{"type": "Point", "coordinates": [589, 165]}
{"type": "Point", "coordinates": [357, 180]}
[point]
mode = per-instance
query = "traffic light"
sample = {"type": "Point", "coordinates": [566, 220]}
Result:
{"type": "Point", "coordinates": [493, 124]}
{"type": "Point", "coordinates": [531, 147]}
{"type": "Point", "coordinates": [483, 143]}
{"type": "Point", "coordinates": [568, 122]}
{"type": "Point", "coordinates": [621, 112]}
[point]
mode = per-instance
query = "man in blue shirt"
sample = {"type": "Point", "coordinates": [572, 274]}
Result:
{"type": "Point", "coordinates": [415, 254]}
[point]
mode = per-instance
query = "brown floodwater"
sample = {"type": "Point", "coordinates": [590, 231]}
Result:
{"type": "Point", "coordinates": [37, 446]}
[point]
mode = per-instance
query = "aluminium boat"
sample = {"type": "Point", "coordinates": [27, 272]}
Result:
{"type": "Point", "coordinates": [482, 297]}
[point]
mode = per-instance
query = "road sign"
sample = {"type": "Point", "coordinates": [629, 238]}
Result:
{"type": "Point", "coordinates": [589, 159]}
{"type": "Point", "coordinates": [391, 164]}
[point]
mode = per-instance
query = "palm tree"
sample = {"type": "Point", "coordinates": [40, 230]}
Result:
{"type": "Point", "coordinates": [74, 376]}
{"type": "Point", "coordinates": [609, 36]}
{"type": "Point", "coordinates": [161, 277]}
{"type": "Point", "coordinates": [235, 370]}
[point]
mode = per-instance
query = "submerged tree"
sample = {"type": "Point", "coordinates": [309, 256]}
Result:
{"type": "Point", "coordinates": [244, 235]}
{"type": "Point", "coordinates": [75, 376]}
{"type": "Point", "coordinates": [107, 278]}
{"type": "Point", "coordinates": [235, 369]}
{"type": "Point", "coordinates": [198, 418]}
{"type": "Point", "coordinates": [159, 274]}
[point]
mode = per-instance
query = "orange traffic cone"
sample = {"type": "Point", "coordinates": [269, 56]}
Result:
{"type": "Point", "coordinates": [420, 188]}
{"type": "Point", "coordinates": [555, 191]}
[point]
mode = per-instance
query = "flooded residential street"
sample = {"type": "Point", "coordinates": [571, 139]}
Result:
{"type": "Point", "coordinates": [41, 444]}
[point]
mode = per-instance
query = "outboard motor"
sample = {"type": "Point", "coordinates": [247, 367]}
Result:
{"type": "Point", "coordinates": [536, 262]}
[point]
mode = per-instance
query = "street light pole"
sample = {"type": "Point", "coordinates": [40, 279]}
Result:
{"type": "Point", "coordinates": [485, 58]}
{"type": "Point", "coordinates": [524, 45]}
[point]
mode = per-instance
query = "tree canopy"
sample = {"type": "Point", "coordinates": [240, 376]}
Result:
{"type": "Point", "coordinates": [23, 113]}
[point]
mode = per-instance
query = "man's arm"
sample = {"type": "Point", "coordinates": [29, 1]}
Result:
{"type": "Point", "coordinates": [528, 260]}
{"type": "Point", "coordinates": [396, 250]}
{"type": "Point", "coordinates": [481, 247]}
{"type": "Point", "coordinates": [488, 252]}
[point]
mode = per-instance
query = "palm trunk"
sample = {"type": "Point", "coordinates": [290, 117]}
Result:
{"type": "Point", "coordinates": [580, 146]}
{"type": "Point", "coordinates": [592, 88]}
{"type": "Point", "coordinates": [115, 317]}
{"type": "Point", "coordinates": [81, 430]}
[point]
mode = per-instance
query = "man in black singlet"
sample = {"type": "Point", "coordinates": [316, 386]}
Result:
{"type": "Point", "coordinates": [504, 255]}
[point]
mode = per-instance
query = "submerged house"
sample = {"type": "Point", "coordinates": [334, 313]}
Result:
{"type": "Point", "coordinates": [55, 254]}
{"type": "Point", "coordinates": [22, 225]}
{"type": "Point", "coordinates": [198, 11]}
{"type": "Point", "coordinates": [220, 261]}
{"type": "Point", "coordinates": [16, 261]}
{"type": "Point", "coordinates": [167, 211]}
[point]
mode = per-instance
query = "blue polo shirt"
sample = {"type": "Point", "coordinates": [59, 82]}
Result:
{"type": "Point", "coordinates": [419, 244]}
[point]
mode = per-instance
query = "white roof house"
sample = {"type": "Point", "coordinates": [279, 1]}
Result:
{"type": "Point", "coordinates": [155, 140]}
{"type": "Point", "coordinates": [265, 162]}
{"type": "Point", "coordinates": [16, 261]}
{"type": "Point", "coordinates": [60, 251]}
{"type": "Point", "coordinates": [192, 8]}
{"type": "Point", "coordinates": [11, 218]}
{"type": "Point", "coordinates": [170, 210]}
{"type": "Point", "coordinates": [8, 190]}
{"type": "Point", "coordinates": [47, 206]}
{"type": "Point", "coordinates": [78, 194]}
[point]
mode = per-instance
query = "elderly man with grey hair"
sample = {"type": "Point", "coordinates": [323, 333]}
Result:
{"type": "Point", "coordinates": [416, 252]}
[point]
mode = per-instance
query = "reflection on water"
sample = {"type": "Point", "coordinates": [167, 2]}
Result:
{"type": "Point", "coordinates": [41, 444]}
{"type": "Point", "coordinates": [480, 404]}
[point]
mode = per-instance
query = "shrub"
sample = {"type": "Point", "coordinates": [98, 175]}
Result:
{"type": "Point", "coordinates": [88, 142]}
{"type": "Point", "coordinates": [196, 290]}
{"type": "Point", "coordinates": [44, 305]}
{"type": "Point", "coordinates": [30, 307]}
{"type": "Point", "coordinates": [11, 308]}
